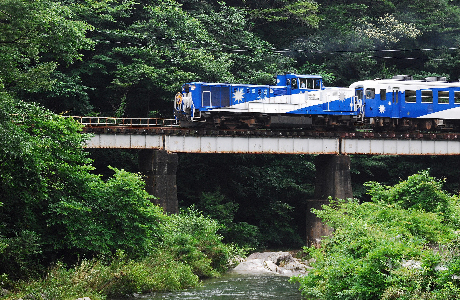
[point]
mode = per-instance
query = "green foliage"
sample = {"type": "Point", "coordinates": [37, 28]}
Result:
{"type": "Point", "coordinates": [186, 249]}
{"type": "Point", "coordinates": [112, 215]}
{"type": "Point", "coordinates": [31, 30]}
{"type": "Point", "coordinates": [216, 206]}
{"type": "Point", "coordinates": [121, 277]}
{"type": "Point", "coordinates": [52, 202]}
{"type": "Point", "coordinates": [145, 51]}
{"type": "Point", "coordinates": [420, 192]}
{"type": "Point", "coordinates": [382, 250]}
{"type": "Point", "coordinates": [390, 170]}
{"type": "Point", "coordinates": [192, 238]}
{"type": "Point", "coordinates": [20, 255]}
{"type": "Point", "coordinates": [264, 194]}
{"type": "Point", "coordinates": [303, 11]}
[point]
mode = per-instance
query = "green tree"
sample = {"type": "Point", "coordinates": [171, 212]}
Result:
{"type": "Point", "coordinates": [279, 22]}
{"type": "Point", "coordinates": [34, 37]}
{"type": "Point", "coordinates": [53, 206]}
{"type": "Point", "coordinates": [144, 51]}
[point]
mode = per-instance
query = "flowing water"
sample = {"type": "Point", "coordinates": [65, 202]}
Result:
{"type": "Point", "coordinates": [236, 287]}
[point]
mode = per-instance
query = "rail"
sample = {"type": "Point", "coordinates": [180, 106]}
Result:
{"type": "Point", "coordinates": [158, 126]}
{"type": "Point", "coordinates": [126, 122]}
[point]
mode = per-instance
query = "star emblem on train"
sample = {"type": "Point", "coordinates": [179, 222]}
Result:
{"type": "Point", "coordinates": [381, 109]}
{"type": "Point", "coordinates": [238, 95]}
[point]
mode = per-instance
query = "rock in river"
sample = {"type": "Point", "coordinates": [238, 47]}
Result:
{"type": "Point", "coordinates": [282, 263]}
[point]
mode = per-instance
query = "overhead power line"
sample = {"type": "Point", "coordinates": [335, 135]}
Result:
{"type": "Point", "coordinates": [200, 45]}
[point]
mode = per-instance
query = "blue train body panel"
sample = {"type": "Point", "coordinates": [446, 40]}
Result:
{"type": "Point", "coordinates": [293, 95]}
{"type": "Point", "coordinates": [402, 98]}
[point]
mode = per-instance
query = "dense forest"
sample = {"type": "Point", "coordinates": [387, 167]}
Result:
{"type": "Point", "coordinates": [60, 204]}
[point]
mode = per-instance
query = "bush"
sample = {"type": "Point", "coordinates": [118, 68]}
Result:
{"type": "Point", "coordinates": [122, 277]}
{"type": "Point", "coordinates": [420, 191]}
{"type": "Point", "coordinates": [216, 206]}
{"type": "Point", "coordinates": [193, 238]}
{"type": "Point", "coordinates": [393, 248]}
{"type": "Point", "coordinates": [21, 255]}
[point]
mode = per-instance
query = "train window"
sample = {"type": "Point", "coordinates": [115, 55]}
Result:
{"type": "Point", "coordinates": [310, 83]}
{"type": "Point", "coordinates": [303, 83]}
{"type": "Point", "coordinates": [294, 83]}
{"type": "Point", "coordinates": [370, 93]}
{"type": "Point", "coordinates": [317, 84]}
{"type": "Point", "coordinates": [427, 96]}
{"type": "Point", "coordinates": [457, 97]}
{"type": "Point", "coordinates": [443, 96]}
{"type": "Point", "coordinates": [383, 94]}
{"type": "Point", "coordinates": [410, 96]}
{"type": "Point", "coordinates": [288, 82]}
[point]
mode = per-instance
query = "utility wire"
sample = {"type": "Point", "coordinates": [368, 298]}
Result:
{"type": "Point", "coordinates": [244, 49]}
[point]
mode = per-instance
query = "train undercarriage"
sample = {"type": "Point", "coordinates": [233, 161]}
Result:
{"type": "Point", "coordinates": [219, 120]}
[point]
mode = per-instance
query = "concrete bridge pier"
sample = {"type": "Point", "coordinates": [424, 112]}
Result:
{"type": "Point", "coordinates": [333, 179]}
{"type": "Point", "coordinates": [159, 169]}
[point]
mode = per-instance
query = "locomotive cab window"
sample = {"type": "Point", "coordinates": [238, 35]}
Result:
{"type": "Point", "coordinates": [294, 83]}
{"type": "Point", "coordinates": [370, 93]}
{"type": "Point", "coordinates": [310, 83]}
{"type": "Point", "coordinates": [303, 83]}
{"type": "Point", "coordinates": [443, 97]}
{"type": "Point", "coordinates": [383, 94]}
{"type": "Point", "coordinates": [427, 96]}
{"type": "Point", "coordinates": [317, 84]}
{"type": "Point", "coordinates": [457, 97]}
{"type": "Point", "coordinates": [410, 96]}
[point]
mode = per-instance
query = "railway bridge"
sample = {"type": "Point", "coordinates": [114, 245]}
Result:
{"type": "Point", "coordinates": [160, 141]}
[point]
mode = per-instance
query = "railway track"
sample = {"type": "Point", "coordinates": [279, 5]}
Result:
{"type": "Point", "coordinates": [157, 126]}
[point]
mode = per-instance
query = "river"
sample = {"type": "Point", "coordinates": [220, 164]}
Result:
{"type": "Point", "coordinates": [236, 287]}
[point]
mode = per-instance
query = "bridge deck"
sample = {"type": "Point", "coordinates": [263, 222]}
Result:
{"type": "Point", "coordinates": [279, 142]}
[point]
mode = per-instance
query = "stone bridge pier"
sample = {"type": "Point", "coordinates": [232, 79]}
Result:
{"type": "Point", "coordinates": [159, 169]}
{"type": "Point", "coordinates": [333, 180]}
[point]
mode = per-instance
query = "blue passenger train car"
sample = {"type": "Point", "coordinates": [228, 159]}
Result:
{"type": "Point", "coordinates": [403, 102]}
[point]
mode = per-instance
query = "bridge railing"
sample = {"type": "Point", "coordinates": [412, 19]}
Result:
{"type": "Point", "coordinates": [127, 122]}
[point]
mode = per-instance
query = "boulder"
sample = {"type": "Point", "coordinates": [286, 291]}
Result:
{"type": "Point", "coordinates": [280, 263]}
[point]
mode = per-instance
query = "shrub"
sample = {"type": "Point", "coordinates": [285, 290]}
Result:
{"type": "Point", "coordinates": [420, 191]}
{"type": "Point", "coordinates": [193, 238]}
{"type": "Point", "coordinates": [392, 248]}
{"type": "Point", "coordinates": [21, 255]}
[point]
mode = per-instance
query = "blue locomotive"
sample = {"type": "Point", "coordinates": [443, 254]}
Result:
{"type": "Point", "coordinates": [302, 101]}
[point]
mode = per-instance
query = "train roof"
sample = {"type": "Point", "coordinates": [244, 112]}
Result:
{"type": "Point", "coordinates": [303, 76]}
{"type": "Point", "coordinates": [228, 84]}
{"type": "Point", "coordinates": [405, 82]}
